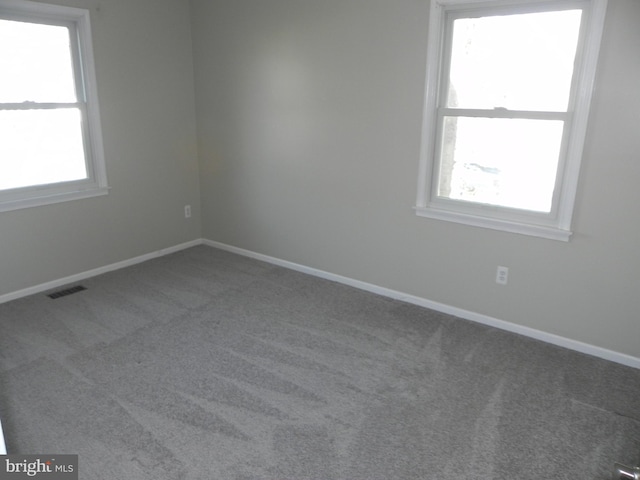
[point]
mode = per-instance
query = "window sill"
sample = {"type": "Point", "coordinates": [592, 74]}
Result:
{"type": "Point", "coordinates": [542, 231]}
{"type": "Point", "coordinates": [47, 199]}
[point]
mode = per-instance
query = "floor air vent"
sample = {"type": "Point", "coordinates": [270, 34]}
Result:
{"type": "Point", "coordinates": [66, 291]}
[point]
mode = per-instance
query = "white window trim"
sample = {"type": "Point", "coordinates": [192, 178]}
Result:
{"type": "Point", "coordinates": [557, 225]}
{"type": "Point", "coordinates": [96, 183]}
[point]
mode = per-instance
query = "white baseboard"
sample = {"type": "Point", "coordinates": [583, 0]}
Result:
{"type": "Point", "coordinates": [551, 338]}
{"type": "Point", "coordinates": [43, 287]}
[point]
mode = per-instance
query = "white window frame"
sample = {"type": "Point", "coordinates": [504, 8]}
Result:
{"type": "Point", "coordinates": [556, 224]}
{"type": "Point", "coordinates": [78, 20]}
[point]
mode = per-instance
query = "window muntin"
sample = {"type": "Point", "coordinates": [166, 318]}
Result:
{"type": "Point", "coordinates": [507, 99]}
{"type": "Point", "coordinates": [50, 138]}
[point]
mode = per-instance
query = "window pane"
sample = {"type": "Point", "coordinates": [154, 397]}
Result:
{"type": "Point", "coordinates": [39, 147]}
{"type": "Point", "coordinates": [518, 62]}
{"type": "Point", "coordinates": [504, 162]}
{"type": "Point", "coordinates": [36, 63]}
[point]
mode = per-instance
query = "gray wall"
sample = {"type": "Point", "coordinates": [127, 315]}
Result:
{"type": "Point", "coordinates": [309, 116]}
{"type": "Point", "coordinates": [145, 84]}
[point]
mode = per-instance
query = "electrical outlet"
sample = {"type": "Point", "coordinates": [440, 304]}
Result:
{"type": "Point", "coordinates": [502, 275]}
{"type": "Point", "coordinates": [187, 211]}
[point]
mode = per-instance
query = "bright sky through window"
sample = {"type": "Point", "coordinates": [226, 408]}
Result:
{"type": "Point", "coordinates": [41, 140]}
{"type": "Point", "coordinates": [518, 62]}
{"type": "Point", "coordinates": [522, 63]}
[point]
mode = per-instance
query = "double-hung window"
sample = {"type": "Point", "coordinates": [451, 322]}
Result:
{"type": "Point", "coordinates": [50, 138]}
{"type": "Point", "coordinates": [508, 89]}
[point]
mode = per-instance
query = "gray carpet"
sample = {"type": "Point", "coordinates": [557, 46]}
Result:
{"type": "Point", "coordinates": [207, 365]}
